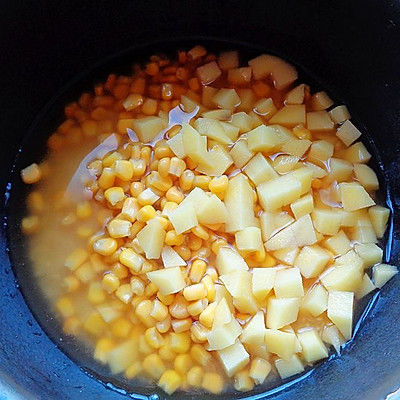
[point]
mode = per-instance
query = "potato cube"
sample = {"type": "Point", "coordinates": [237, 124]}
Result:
{"type": "Point", "coordinates": [338, 244]}
{"type": "Point", "coordinates": [284, 163]}
{"type": "Point", "coordinates": [219, 115]}
{"type": "Point", "coordinates": [176, 145]}
{"type": "Point", "coordinates": [234, 358]}
{"type": "Point", "coordinates": [222, 336]}
{"type": "Point", "coordinates": [290, 115]}
{"type": "Point", "coordinates": [265, 107]}
{"type": "Point", "coordinates": [296, 95]}
{"type": "Point", "coordinates": [366, 176]}
{"type": "Point", "coordinates": [190, 105]}
{"type": "Point", "coordinates": [222, 314]}
{"type": "Point", "coordinates": [312, 345]}
{"type": "Point", "coordinates": [339, 170]}
{"type": "Point", "coordinates": [319, 121]}
{"type": "Point", "coordinates": [212, 211]}
{"type": "Point", "coordinates": [350, 257]}
{"type": "Point", "coordinates": [302, 206]}
{"type": "Point", "coordinates": [340, 311]}
{"type": "Point", "coordinates": [254, 331]}
{"type": "Point", "coordinates": [259, 370]}
{"type": "Point", "coordinates": [148, 128]}
{"type": "Point", "coordinates": [287, 256]}
{"type": "Point", "coordinates": [354, 197]}
{"type": "Point", "coordinates": [240, 76]}
{"type": "Point", "coordinates": [326, 221]}
{"type": "Point", "coordinates": [171, 258]}
{"type": "Point", "coordinates": [296, 147]}
{"type": "Point", "coordinates": [288, 283]}
{"type": "Point", "coordinates": [291, 366]}
{"type": "Point", "coordinates": [343, 277]}
{"type": "Point", "coordinates": [332, 336]}
{"type": "Point", "coordinates": [228, 60]}
{"type": "Point", "coordinates": [241, 121]}
{"type": "Point", "coordinates": [249, 239]}
{"type": "Point", "coordinates": [194, 145]}
{"type": "Point", "coordinates": [168, 280]}
{"type": "Point", "coordinates": [304, 175]}
{"type": "Point", "coordinates": [151, 239]}
{"type": "Point", "coordinates": [240, 153]}
{"type": "Point", "coordinates": [267, 138]}
{"type": "Point", "coordinates": [281, 343]}
{"type": "Point", "coordinates": [357, 153]}
{"type": "Point", "coordinates": [321, 150]}
{"type": "Point", "coordinates": [315, 301]}
{"type": "Point", "coordinates": [122, 356]}
{"type": "Point", "coordinates": [312, 260]}
{"type": "Point", "coordinates": [218, 161]}
{"type": "Point", "coordinates": [382, 273]}
{"type": "Point", "coordinates": [369, 252]}
{"type": "Point", "coordinates": [281, 312]}
{"type": "Point", "coordinates": [183, 217]}
{"type": "Point", "coordinates": [320, 101]}
{"type": "Point", "coordinates": [231, 130]}
{"type": "Point", "coordinates": [272, 222]}
{"type": "Point", "coordinates": [208, 73]}
{"type": "Point", "coordinates": [196, 197]}
{"type": "Point", "coordinates": [226, 99]}
{"type": "Point", "coordinates": [348, 133]}
{"type": "Point", "coordinates": [212, 128]}
{"type": "Point", "coordinates": [263, 280]}
{"type": "Point", "coordinates": [366, 287]}
{"type": "Point", "coordinates": [239, 204]}
{"type": "Point", "coordinates": [259, 170]}
{"type": "Point", "coordinates": [339, 114]}
{"type": "Point", "coordinates": [278, 192]}
{"type": "Point", "coordinates": [207, 95]}
{"type": "Point", "coordinates": [379, 217]}
{"type": "Point", "coordinates": [247, 99]}
{"type": "Point", "coordinates": [228, 260]}
{"type": "Point", "coordinates": [363, 231]}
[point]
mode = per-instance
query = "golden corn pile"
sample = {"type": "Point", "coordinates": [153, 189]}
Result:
{"type": "Point", "coordinates": [233, 222]}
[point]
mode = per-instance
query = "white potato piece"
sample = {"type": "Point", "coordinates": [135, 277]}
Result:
{"type": "Point", "coordinates": [339, 114]}
{"type": "Point", "coordinates": [326, 221]}
{"type": "Point", "coordinates": [151, 239]}
{"type": "Point", "coordinates": [183, 217]}
{"type": "Point", "coordinates": [240, 153]}
{"type": "Point", "coordinates": [332, 336]}
{"type": "Point", "coordinates": [212, 128]}
{"type": "Point", "coordinates": [226, 98]}
{"type": "Point", "coordinates": [168, 280]}
{"type": "Point", "coordinates": [354, 196]}
{"type": "Point", "coordinates": [234, 358]}
{"type": "Point", "coordinates": [240, 76]}
{"type": "Point", "coordinates": [176, 145]}
{"type": "Point", "coordinates": [273, 222]}
{"type": "Point", "coordinates": [339, 170]}
{"type": "Point", "coordinates": [356, 153]}
{"type": "Point", "coordinates": [259, 370]}
{"type": "Point", "coordinates": [312, 345]}
{"type": "Point", "coordinates": [315, 301]}
{"type": "Point", "coordinates": [281, 312]}
{"type": "Point", "coordinates": [338, 244]}
{"type": "Point", "coordinates": [287, 256]}
{"type": "Point", "coordinates": [254, 331]}
{"type": "Point", "coordinates": [228, 260]}
{"type": "Point", "coordinates": [366, 176]}
{"type": "Point", "coordinates": [320, 101]}
{"type": "Point", "coordinates": [382, 273]}
{"type": "Point", "coordinates": [196, 197]}
{"type": "Point", "coordinates": [369, 252]}
{"type": "Point", "coordinates": [263, 280]}
{"type": "Point", "coordinates": [304, 175]}
{"type": "Point", "coordinates": [379, 217]}
{"type": "Point", "coordinates": [249, 239]}
{"type": "Point", "coordinates": [302, 206]}
{"type": "Point", "coordinates": [296, 95]}
{"type": "Point", "coordinates": [148, 128]}
{"type": "Point", "coordinates": [171, 258]}
{"type": "Point", "coordinates": [122, 356]}
{"type": "Point", "coordinates": [241, 121]}
{"type": "Point", "coordinates": [265, 107]}
{"type": "Point", "coordinates": [228, 60]}
{"type": "Point", "coordinates": [321, 150]}
{"type": "Point", "coordinates": [208, 73]}
{"type": "Point", "coordinates": [288, 283]}
{"type": "Point", "coordinates": [291, 366]}
{"type": "Point", "coordinates": [212, 211]}
{"type": "Point", "coordinates": [267, 138]}
{"type": "Point", "coordinates": [231, 130]}
{"type": "Point", "coordinates": [296, 147]}
{"type": "Point", "coordinates": [194, 145]}
{"type": "Point", "coordinates": [348, 133]}
{"type": "Point", "coordinates": [340, 311]}
{"type": "Point", "coordinates": [366, 287]}
{"type": "Point", "coordinates": [290, 115]}
{"type": "Point", "coordinates": [346, 277]}
{"type": "Point", "coordinates": [312, 260]}
{"type": "Point", "coordinates": [281, 343]}
{"type": "Point", "coordinates": [319, 121]}
{"type": "Point", "coordinates": [259, 170]}
{"type": "Point", "coordinates": [219, 160]}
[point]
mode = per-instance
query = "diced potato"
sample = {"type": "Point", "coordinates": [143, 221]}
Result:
{"type": "Point", "coordinates": [212, 211]}
{"type": "Point", "coordinates": [196, 197]}
{"type": "Point", "coordinates": [278, 192]}
{"type": "Point", "coordinates": [350, 257]}
{"type": "Point", "coordinates": [228, 260]}
{"type": "Point", "coordinates": [168, 280]}
{"type": "Point", "coordinates": [242, 121]}
{"type": "Point", "coordinates": [222, 314]}
{"type": "Point", "coordinates": [288, 283]}
{"type": "Point", "coordinates": [263, 280]}
{"type": "Point", "coordinates": [290, 115]}
{"type": "Point", "coordinates": [194, 145]}
{"type": "Point", "coordinates": [222, 293]}
{"type": "Point", "coordinates": [228, 60]}
{"type": "Point", "coordinates": [319, 121]}
{"type": "Point", "coordinates": [296, 147]}
{"type": "Point", "coordinates": [265, 107]}
{"type": "Point", "coordinates": [291, 366]}
{"type": "Point", "coordinates": [312, 345]}
{"type": "Point", "coordinates": [151, 239]}
{"type": "Point", "coordinates": [259, 370]}
{"type": "Point", "coordinates": [254, 332]}
{"type": "Point", "coordinates": [321, 150]}
{"type": "Point", "coordinates": [357, 153]}
{"type": "Point", "coordinates": [299, 233]}
{"type": "Point", "coordinates": [332, 336]}
{"type": "Point", "coordinates": [338, 244]}
{"type": "Point", "coordinates": [148, 128]}
{"type": "Point", "coordinates": [326, 221]}
{"type": "Point", "coordinates": [296, 95]}
{"type": "Point", "coordinates": [212, 128]}
{"type": "Point", "coordinates": [366, 176]}
{"type": "Point", "coordinates": [249, 239]}
{"type": "Point", "coordinates": [343, 277]}
{"type": "Point", "coordinates": [281, 312]}
{"type": "Point", "coordinates": [171, 258]}
{"type": "Point", "coordinates": [122, 356]}
{"type": "Point", "coordinates": [281, 343]}
{"type": "Point", "coordinates": [240, 153]}
{"type": "Point", "coordinates": [302, 206]}
{"type": "Point", "coordinates": [239, 204]}
{"type": "Point", "coordinates": [317, 172]}
{"type": "Point", "coordinates": [312, 260]}
{"type": "Point", "coordinates": [207, 94]}
{"type": "Point", "coordinates": [287, 256]}
{"type": "Point", "coordinates": [231, 130]}
{"type": "Point", "coordinates": [267, 138]}
{"type": "Point", "coordinates": [220, 115]}
{"type": "Point", "coordinates": [320, 101]}
{"type": "Point", "coordinates": [240, 76]}
{"type": "Point", "coordinates": [234, 358]}
{"type": "Point", "coordinates": [339, 114]}
{"type": "Point", "coordinates": [382, 273]}
{"type": "Point", "coordinates": [363, 231]}
{"type": "Point", "coordinates": [183, 217]}
{"type": "Point", "coordinates": [272, 222]}
{"type": "Point", "coordinates": [247, 99]}
{"type": "Point", "coordinates": [348, 133]}
{"type": "Point", "coordinates": [339, 170]}
{"type": "Point", "coordinates": [340, 311]}
{"type": "Point", "coordinates": [259, 170]}
{"type": "Point", "coordinates": [284, 163]}
{"type": "Point", "coordinates": [208, 73]}
{"type": "Point", "coordinates": [315, 301]}
{"type": "Point", "coordinates": [304, 175]}
{"type": "Point", "coordinates": [366, 287]}
{"type": "Point", "coordinates": [219, 160]}
{"type": "Point", "coordinates": [379, 217]}
{"type": "Point", "coordinates": [176, 145]}
{"type": "Point", "coordinates": [354, 196]}
{"type": "Point", "coordinates": [226, 98]}
{"type": "Point", "coordinates": [190, 105]}
{"type": "Point", "coordinates": [369, 252]}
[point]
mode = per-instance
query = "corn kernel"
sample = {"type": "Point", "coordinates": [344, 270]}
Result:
{"type": "Point", "coordinates": [138, 167]}
{"type": "Point", "coordinates": [243, 382]}
{"type": "Point", "coordinates": [118, 228]}
{"type": "Point", "coordinates": [107, 178]}
{"type": "Point", "coordinates": [199, 332]}
{"type": "Point", "coordinates": [71, 325]}
{"type": "Point", "coordinates": [209, 284]}
{"type": "Point", "coordinates": [181, 325]}
{"type": "Point", "coordinates": [164, 222]}
{"type": "Point", "coordinates": [123, 170]}
{"type": "Point", "coordinates": [84, 231]}
{"type": "Point", "coordinates": [195, 376]}
{"type": "Point", "coordinates": [124, 293]}
{"type": "Point", "coordinates": [180, 342]}
{"type": "Point", "coordinates": [194, 292]}
{"type": "Point", "coordinates": [105, 246]}
{"type": "Point", "coordinates": [184, 252]}
{"type": "Point", "coordinates": [166, 299]}
{"type": "Point", "coordinates": [71, 283]}
{"type": "Point", "coordinates": [212, 382]}
{"type": "Point", "coordinates": [186, 180]}
{"type": "Point", "coordinates": [183, 363]}
{"type": "Point", "coordinates": [197, 307]}
{"type": "Point", "coordinates": [114, 195]}
{"type": "Point", "coordinates": [206, 318]}
{"type": "Point", "coordinates": [94, 324]}
{"type": "Point", "coordinates": [83, 210]}
{"type": "Point", "coordinates": [96, 293]}
{"type": "Point", "coordinates": [109, 160]}
{"type": "Point", "coordinates": [136, 188]}
{"type": "Point", "coordinates": [85, 272]}
{"type": "Point", "coordinates": [164, 325]}
{"type": "Point", "coordinates": [200, 354]}
{"type": "Point", "coordinates": [166, 352]}
{"type": "Point", "coordinates": [194, 242]}
{"type": "Point", "coordinates": [174, 194]}
{"type": "Point", "coordinates": [154, 366]}
{"type": "Point", "coordinates": [159, 311]}
{"type": "Point", "coordinates": [120, 270]}
{"type": "Point", "coordinates": [178, 309]}
{"type": "Point", "coordinates": [137, 286]}
{"type": "Point", "coordinates": [31, 174]}
{"type": "Point", "coordinates": [121, 328]}
{"type": "Point", "coordinates": [151, 290]}
{"type": "Point", "coordinates": [36, 202]}
{"type": "Point", "coordinates": [218, 184]}
{"type": "Point", "coordinates": [172, 239]}
{"type": "Point", "coordinates": [144, 347]}
{"type": "Point", "coordinates": [202, 181]}
{"type": "Point", "coordinates": [65, 307]}
{"type": "Point", "coordinates": [163, 167]}
{"type": "Point", "coordinates": [97, 263]}
{"type": "Point", "coordinates": [133, 370]}
{"type": "Point", "coordinates": [146, 213]}
{"type": "Point", "coordinates": [153, 337]}
{"type": "Point", "coordinates": [137, 226]}
{"type": "Point", "coordinates": [147, 197]}
{"type": "Point", "coordinates": [143, 311]}
{"type": "Point", "coordinates": [30, 225]}
{"type": "Point", "coordinates": [133, 101]}
{"type": "Point", "coordinates": [170, 381]}
{"type": "Point", "coordinates": [212, 273]}
{"type": "Point", "coordinates": [162, 151]}
{"type": "Point", "coordinates": [197, 270]}
{"type": "Point", "coordinates": [110, 282]}
{"type": "Point", "coordinates": [76, 259]}
{"type": "Point", "coordinates": [200, 232]}
{"type": "Point", "coordinates": [176, 166]}
{"type": "Point", "coordinates": [168, 207]}
{"type": "Point", "coordinates": [217, 244]}
{"type": "Point", "coordinates": [149, 107]}
{"type": "Point", "coordinates": [145, 154]}
{"type": "Point", "coordinates": [131, 259]}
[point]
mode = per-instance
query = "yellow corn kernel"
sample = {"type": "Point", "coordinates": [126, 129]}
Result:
{"type": "Point", "coordinates": [65, 307]}
{"type": "Point", "coordinates": [148, 266]}
{"type": "Point", "coordinates": [105, 246]}
{"type": "Point", "coordinates": [146, 213]}
{"type": "Point", "coordinates": [157, 182]}
{"type": "Point", "coordinates": [96, 293]}
{"type": "Point", "coordinates": [71, 325]}
{"type": "Point", "coordinates": [107, 178]}
{"type": "Point", "coordinates": [170, 381]}
{"type": "Point", "coordinates": [164, 325]}
{"type": "Point", "coordinates": [168, 207]}
{"type": "Point", "coordinates": [164, 222]}
{"type": "Point", "coordinates": [151, 290]}
{"type": "Point", "coordinates": [109, 160]}
{"type": "Point", "coordinates": [194, 292]}
{"type": "Point", "coordinates": [174, 194]}
{"type": "Point", "coordinates": [206, 318]}
{"type": "Point", "coordinates": [136, 188]}
{"type": "Point", "coordinates": [165, 351]}
{"type": "Point", "coordinates": [200, 232]}
{"type": "Point", "coordinates": [95, 167]}
{"type": "Point", "coordinates": [197, 307]}
{"type": "Point", "coordinates": [118, 228]}
{"type": "Point", "coordinates": [153, 167]}
{"type": "Point", "coordinates": [199, 332]}
{"type": "Point", "coordinates": [94, 324]}
{"type": "Point", "coordinates": [71, 283]}
{"type": "Point", "coordinates": [83, 210]}
{"type": "Point", "coordinates": [121, 328]}
{"type": "Point", "coordinates": [35, 202]}
{"type": "Point", "coordinates": [143, 311]}
{"type": "Point", "coordinates": [209, 284]}
{"type": "Point", "coordinates": [137, 226]}
{"type": "Point", "coordinates": [114, 195]}
{"type": "Point", "coordinates": [149, 106]}
{"type": "Point", "coordinates": [143, 346]}
{"type": "Point", "coordinates": [147, 197]}
{"type": "Point", "coordinates": [85, 272]}
{"type": "Point", "coordinates": [153, 366]}
{"type": "Point", "coordinates": [110, 282]}
{"type": "Point", "coordinates": [202, 181]}
{"type": "Point", "coordinates": [124, 293]}
{"type": "Point", "coordinates": [217, 244]}
{"type": "Point", "coordinates": [134, 370]}
{"type": "Point", "coordinates": [120, 270]}
{"type": "Point", "coordinates": [76, 259]}
{"type": "Point", "coordinates": [102, 348]}
{"type": "Point", "coordinates": [186, 180]}
{"type": "Point", "coordinates": [30, 225]}
{"type": "Point", "coordinates": [153, 338]}
{"type": "Point", "coordinates": [137, 286]}
{"type": "Point", "coordinates": [97, 263]}
{"type": "Point", "coordinates": [184, 252]}
{"type": "Point", "coordinates": [163, 167]}
{"type": "Point", "coordinates": [166, 299]}
{"type": "Point", "coordinates": [212, 273]}
{"type": "Point", "coordinates": [162, 150]}
{"type": "Point", "coordinates": [178, 309]}
{"type": "Point", "coordinates": [176, 167]}
{"type": "Point", "coordinates": [181, 325]}
{"type": "Point", "coordinates": [159, 311]}
{"type": "Point", "coordinates": [123, 170]}
{"type": "Point", "coordinates": [133, 101]}
{"type": "Point", "coordinates": [31, 174]}
{"type": "Point", "coordinates": [138, 166]}
{"type": "Point", "coordinates": [180, 342]}
{"type": "Point", "coordinates": [195, 376]}
{"type": "Point", "coordinates": [212, 382]}
{"type": "Point", "coordinates": [172, 239]}
{"type": "Point", "coordinates": [131, 259]}
{"type": "Point", "coordinates": [218, 184]}
{"type": "Point", "coordinates": [197, 270]}
{"type": "Point", "coordinates": [242, 381]}
{"type": "Point", "coordinates": [145, 154]}
{"type": "Point", "coordinates": [200, 354]}
{"type": "Point", "coordinates": [183, 363]}
{"type": "Point", "coordinates": [191, 164]}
